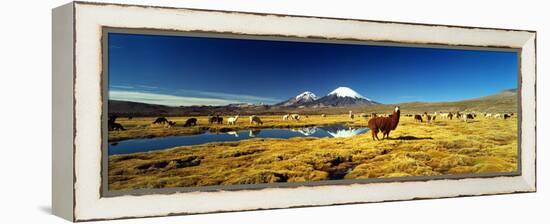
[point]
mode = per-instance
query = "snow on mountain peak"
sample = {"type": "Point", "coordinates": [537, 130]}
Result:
{"type": "Point", "coordinates": [346, 92]}
{"type": "Point", "coordinates": [307, 95]}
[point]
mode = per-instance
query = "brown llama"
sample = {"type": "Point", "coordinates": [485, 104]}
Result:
{"type": "Point", "coordinates": [215, 119]}
{"type": "Point", "coordinates": [160, 120]}
{"type": "Point", "coordinates": [384, 124]}
{"type": "Point", "coordinates": [190, 122]}
{"type": "Point", "coordinates": [117, 127]}
{"type": "Point", "coordinates": [418, 118]}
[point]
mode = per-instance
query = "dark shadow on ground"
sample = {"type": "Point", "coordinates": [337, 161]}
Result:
{"type": "Point", "coordinates": [409, 137]}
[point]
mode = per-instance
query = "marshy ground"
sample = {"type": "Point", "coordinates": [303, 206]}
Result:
{"type": "Point", "coordinates": [484, 145]}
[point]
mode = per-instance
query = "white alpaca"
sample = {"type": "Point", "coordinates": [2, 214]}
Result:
{"type": "Point", "coordinates": [444, 115]}
{"type": "Point", "coordinates": [295, 116]}
{"type": "Point", "coordinates": [497, 116]}
{"type": "Point", "coordinates": [285, 118]}
{"type": "Point", "coordinates": [323, 115]}
{"type": "Point", "coordinates": [488, 115]}
{"type": "Point", "coordinates": [232, 120]}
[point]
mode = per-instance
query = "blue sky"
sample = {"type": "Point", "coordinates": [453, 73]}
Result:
{"type": "Point", "coordinates": [182, 71]}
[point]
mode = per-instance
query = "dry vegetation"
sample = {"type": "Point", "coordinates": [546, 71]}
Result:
{"type": "Point", "coordinates": [443, 147]}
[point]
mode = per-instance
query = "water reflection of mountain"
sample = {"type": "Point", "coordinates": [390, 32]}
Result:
{"type": "Point", "coordinates": [341, 131]}
{"type": "Point", "coordinates": [305, 131]}
{"type": "Point", "coordinates": [336, 131]}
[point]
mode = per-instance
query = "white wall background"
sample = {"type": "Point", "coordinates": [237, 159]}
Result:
{"type": "Point", "coordinates": [25, 127]}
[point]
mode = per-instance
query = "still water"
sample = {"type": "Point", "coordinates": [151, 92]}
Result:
{"type": "Point", "coordinates": [151, 144]}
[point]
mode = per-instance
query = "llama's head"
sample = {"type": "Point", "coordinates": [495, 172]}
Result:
{"type": "Point", "coordinates": [396, 108]}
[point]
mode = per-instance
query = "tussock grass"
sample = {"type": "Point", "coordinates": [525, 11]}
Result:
{"type": "Point", "coordinates": [415, 149]}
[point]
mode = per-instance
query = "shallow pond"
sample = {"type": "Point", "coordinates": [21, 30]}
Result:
{"type": "Point", "coordinates": [151, 144]}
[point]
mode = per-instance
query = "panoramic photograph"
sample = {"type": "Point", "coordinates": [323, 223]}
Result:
{"type": "Point", "coordinates": [190, 111]}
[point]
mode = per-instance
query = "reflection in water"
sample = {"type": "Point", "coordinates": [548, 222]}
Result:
{"type": "Point", "coordinates": [305, 131]}
{"type": "Point", "coordinates": [151, 144]}
{"type": "Point", "coordinates": [340, 131]}
{"type": "Point", "coordinates": [234, 133]}
{"type": "Point", "coordinates": [253, 133]}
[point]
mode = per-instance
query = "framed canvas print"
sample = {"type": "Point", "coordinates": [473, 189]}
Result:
{"type": "Point", "coordinates": [161, 111]}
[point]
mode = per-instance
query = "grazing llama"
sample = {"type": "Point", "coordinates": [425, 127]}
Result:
{"type": "Point", "coordinates": [444, 116]}
{"type": "Point", "coordinates": [285, 117]}
{"type": "Point", "coordinates": [117, 127]}
{"type": "Point", "coordinates": [160, 120]}
{"type": "Point", "coordinates": [458, 115]}
{"type": "Point", "coordinates": [467, 117]}
{"type": "Point", "coordinates": [384, 124]}
{"type": "Point", "coordinates": [112, 125]}
{"type": "Point", "coordinates": [190, 122]}
{"type": "Point", "coordinates": [418, 118]}
{"type": "Point", "coordinates": [215, 120]}
{"type": "Point", "coordinates": [170, 124]}
{"type": "Point", "coordinates": [256, 120]}
{"type": "Point", "coordinates": [232, 120]}
{"type": "Point", "coordinates": [429, 118]}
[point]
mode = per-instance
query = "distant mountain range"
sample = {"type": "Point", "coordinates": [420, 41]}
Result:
{"type": "Point", "coordinates": [340, 97]}
{"type": "Point", "coordinates": [300, 99]}
{"type": "Point", "coordinates": [341, 100]}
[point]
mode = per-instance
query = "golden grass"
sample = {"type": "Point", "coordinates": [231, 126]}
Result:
{"type": "Point", "coordinates": [443, 147]}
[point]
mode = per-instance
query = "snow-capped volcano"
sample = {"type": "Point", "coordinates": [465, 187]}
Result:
{"type": "Point", "coordinates": [300, 99]}
{"type": "Point", "coordinates": [344, 96]}
{"type": "Point", "coordinates": [346, 92]}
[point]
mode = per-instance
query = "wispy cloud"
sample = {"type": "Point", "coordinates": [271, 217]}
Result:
{"type": "Point", "coordinates": [179, 97]}
{"type": "Point", "coordinates": [122, 87]}
{"type": "Point", "coordinates": [165, 99]}
{"type": "Point", "coordinates": [147, 87]}
{"type": "Point", "coordinates": [229, 96]}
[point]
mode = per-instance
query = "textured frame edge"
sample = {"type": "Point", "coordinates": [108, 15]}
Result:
{"type": "Point", "coordinates": [90, 207]}
{"type": "Point", "coordinates": [62, 111]}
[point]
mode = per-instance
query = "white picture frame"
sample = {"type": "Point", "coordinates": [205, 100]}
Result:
{"type": "Point", "coordinates": [78, 104]}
